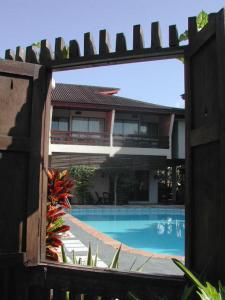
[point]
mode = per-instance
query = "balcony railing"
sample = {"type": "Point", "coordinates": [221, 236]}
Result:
{"type": "Point", "coordinates": [141, 141]}
{"type": "Point", "coordinates": [103, 139]}
{"type": "Point", "coordinates": [80, 138]}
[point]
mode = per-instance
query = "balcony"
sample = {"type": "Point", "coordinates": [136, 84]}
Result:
{"type": "Point", "coordinates": [103, 139]}
{"type": "Point", "coordinates": [80, 138]}
{"type": "Point", "coordinates": [141, 141]}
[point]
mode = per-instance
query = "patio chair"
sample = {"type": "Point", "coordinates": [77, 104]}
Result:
{"type": "Point", "coordinates": [100, 200]}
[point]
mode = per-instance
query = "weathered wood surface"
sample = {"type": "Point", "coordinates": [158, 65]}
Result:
{"type": "Point", "coordinates": [23, 112]}
{"type": "Point", "coordinates": [205, 209]}
{"type": "Point", "coordinates": [69, 57]}
{"type": "Point", "coordinates": [47, 280]}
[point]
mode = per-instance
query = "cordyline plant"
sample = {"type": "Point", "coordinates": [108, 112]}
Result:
{"type": "Point", "coordinates": [59, 187]}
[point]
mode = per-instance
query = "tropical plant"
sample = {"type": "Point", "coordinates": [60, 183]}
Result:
{"type": "Point", "coordinates": [91, 261]}
{"type": "Point", "coordinates": [83, 176]}
{"type": "Point", "coordinates": [59, 187]}
{"type": "Point", "coordinates": [206, 291]}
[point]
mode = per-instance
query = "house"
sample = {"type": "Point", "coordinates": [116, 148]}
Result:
{"type": "Point", "coordinates": [127, 141]}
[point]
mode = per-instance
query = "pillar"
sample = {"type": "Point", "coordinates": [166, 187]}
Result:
{"type": "Point", "coordinates": [153, 188]}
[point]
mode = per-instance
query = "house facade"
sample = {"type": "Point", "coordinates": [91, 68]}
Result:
{"type": "Point", "coordinates": [127, 141]}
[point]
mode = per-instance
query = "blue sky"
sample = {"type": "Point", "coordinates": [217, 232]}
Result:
{"type": "Point", "coordinates": [23, 22]}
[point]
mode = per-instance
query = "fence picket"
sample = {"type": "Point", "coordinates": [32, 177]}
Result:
{"type": "Point", "coordinates": [104, 42]}
{"type": "Point", "coordinates": [20, 54]}
{"type": "Point", "coordinates": [74, 49]}
{"type": "Point", "coordinates": [31, 55]}
{"type": "Point", "coordinates": [89, 47]}
{"type": "Point", "coordinates": [46, 54]}
{"type": "Point", "coordinates": [173, 36]}
{"type": "Point", "coordinates": [9, 54]}
{"type": "Point", "coordinates": [138, 37]}
{"type": "Point", "coordinates": [156, 36]}
{"type": "Point", "coordinates": [121, 45]}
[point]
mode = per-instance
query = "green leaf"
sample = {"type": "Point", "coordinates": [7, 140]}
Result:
{"type": "Point", "coordinates": [89, 257]}
{"type": "Point", "coordinates": [37, 44]}
{"type": "Point", "coordinates": [114, 264]}
{"type": "Point", "coordinates": [139, 269]}
{"type": "Point", "coordinates": [74, 259]}
{"type": "Point", "coordinates": [202, 20]}
{"type": "Point", "coordinates": [96, 258]}
{"type": "Point", "coordinates": [189, 274]}
{"type": "Point", "coordinates": [132, 296]}
{"type": "Point", "coordinates": [64, 258]}
{"type": "Point", "coordinates": [183, 36]}
{"type": "Point", "coordinates": [222, 291]}
{"type": "Point", "coordinates": [187, 292]}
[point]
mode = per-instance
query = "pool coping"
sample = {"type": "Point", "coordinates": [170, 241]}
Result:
{"type": "Point", "coordinates": [114, 243]}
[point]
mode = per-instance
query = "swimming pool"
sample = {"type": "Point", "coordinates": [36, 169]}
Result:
{"type": "Point", "coordinates": [155, 230]}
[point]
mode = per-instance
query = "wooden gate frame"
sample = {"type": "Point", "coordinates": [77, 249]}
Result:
{"type": "Point", "coordinates": [67, 58]}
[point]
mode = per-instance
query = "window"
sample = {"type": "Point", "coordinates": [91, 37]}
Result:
{"type": "Point", "coordinates": [60, 124]}
{"type": "Point", "coordinates": [88, 125]}
{"type": "Point", "coordinates": [122, 127]}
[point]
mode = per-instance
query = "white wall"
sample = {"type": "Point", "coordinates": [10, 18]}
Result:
{"type": "Point", "coordinates": [111, 151]}
{"type": "Point", "coordinates": [153, 188]}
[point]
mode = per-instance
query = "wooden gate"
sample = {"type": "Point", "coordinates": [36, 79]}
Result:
{"type": "Point", "coordinates": [205, 111]}
{"type": "Point", "coordinates": [24, 125]}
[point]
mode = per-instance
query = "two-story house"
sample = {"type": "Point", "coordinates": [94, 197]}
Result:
{"type": "Point", "coordinates": [126, 140]}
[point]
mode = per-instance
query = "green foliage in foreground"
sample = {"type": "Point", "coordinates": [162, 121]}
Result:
{"type": "Point", "coordinates": [205, 291]}
{"type": "Point", "coordinates": [91, 261]}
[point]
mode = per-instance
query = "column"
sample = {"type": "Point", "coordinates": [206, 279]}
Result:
{"type": "Point", "coordinates": [153, 188]}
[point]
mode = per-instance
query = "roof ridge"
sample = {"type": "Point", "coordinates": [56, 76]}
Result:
{"type": "Point", "coordinates": [89, 86]}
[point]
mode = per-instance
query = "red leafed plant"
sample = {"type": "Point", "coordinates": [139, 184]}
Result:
{"type": "Point", "coordinates": [59, 187]}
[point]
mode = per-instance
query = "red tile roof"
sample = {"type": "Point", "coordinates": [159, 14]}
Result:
{"type": "Point", "coordinates": [85, 94]}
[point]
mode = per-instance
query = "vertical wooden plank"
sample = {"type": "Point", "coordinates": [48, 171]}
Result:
{"type": "Point", "coordinates": [36, 190]}
{"type": "Point", "coordinates": [74, 49]}
{"type": "Point", "coordinates": [89, 47]}
{"type": "Point", "coordinates": [220, 31]}
{"type": "Point", "coordinates": [32, 55]}
{"type": "Point", "coordinates": [173, 36]}
{"type": "Point", "coordinates": [192, 28]}
{"type": "Point", "coordinates": [46, 121]}
{"type": "Point", "coordinates": [60, 49]}
{"type": "Point", "coordinates": [156, 36]}
{"type": "Point", "coordinates": [104, 42]}
{"type": "Point", "coordinates": [46, 54]}
{"type": "Point", "coordinates": [121, 45]}
{"type": "Point", "coordinates": [138, 37]}
{"type": "Point", "coordinates": [20, 54]}
{"type": "Point", "coordinates": [9, 54]}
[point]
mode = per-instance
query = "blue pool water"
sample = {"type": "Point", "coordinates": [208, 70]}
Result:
{"type": "Point", "coordinates": [155, 230]}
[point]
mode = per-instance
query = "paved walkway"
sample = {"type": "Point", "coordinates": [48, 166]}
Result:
{"type": "Point", "coordinates": [79, 238]}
